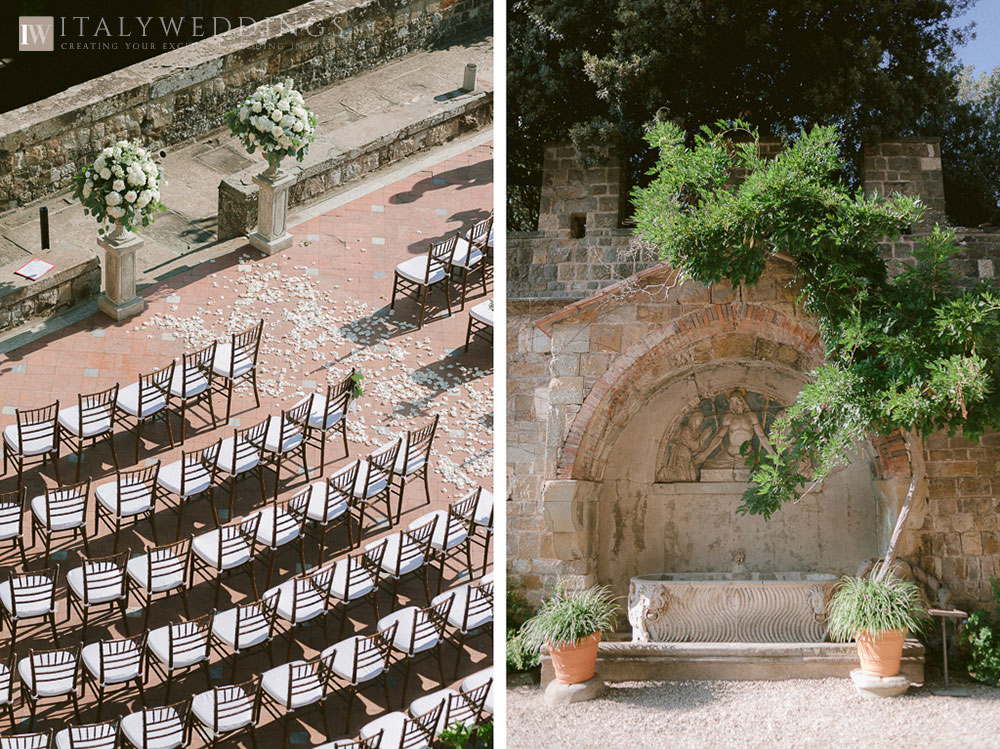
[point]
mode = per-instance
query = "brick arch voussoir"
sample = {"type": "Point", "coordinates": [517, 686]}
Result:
{"type": "Point", "coordinates": [581, 447]}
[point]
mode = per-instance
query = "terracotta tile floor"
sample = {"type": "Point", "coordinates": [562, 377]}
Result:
{"type": "Point", "coordinates": [325, 307]}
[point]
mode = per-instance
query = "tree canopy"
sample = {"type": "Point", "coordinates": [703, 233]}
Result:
{"type": "Point", "coordinates": [600, 71]}
{"type": "Point", "coordinates": [906, 348]}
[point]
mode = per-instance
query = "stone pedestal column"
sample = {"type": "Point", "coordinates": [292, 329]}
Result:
{"type": "Point", "coordinates": [272, 212]}
{"type": "Point", "coordinates": [119, 300]}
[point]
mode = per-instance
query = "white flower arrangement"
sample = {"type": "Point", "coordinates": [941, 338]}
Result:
{"type": "Point", "coordinates": [121, 187]}
{"type": "Point", "coordinates": [276, 120]}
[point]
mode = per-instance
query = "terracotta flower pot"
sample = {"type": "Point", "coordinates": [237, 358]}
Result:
{"type": "Point", "coordinates": [880, 652]}
{"type": "Point", "coordinates": [575, 662]}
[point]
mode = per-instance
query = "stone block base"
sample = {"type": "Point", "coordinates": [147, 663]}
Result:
{"type": "Point", "coordinates": [735, 661]}
{"type": "Point", "coordinates": [120, 312]}
{"type": "Point", "coordinates": [557, 693]}
{"type": "Point", "coordinates": [874, 686]}
{"type": "Point", "coordinates": [259, 242]}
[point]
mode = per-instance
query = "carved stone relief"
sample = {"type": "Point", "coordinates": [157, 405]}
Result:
{"type": "Point", "coordinates": [706, 444]}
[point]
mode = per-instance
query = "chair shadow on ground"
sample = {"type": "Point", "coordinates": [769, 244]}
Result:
{"type": "Point", "coordinates": [468, 218]}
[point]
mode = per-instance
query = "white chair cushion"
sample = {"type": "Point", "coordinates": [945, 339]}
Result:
{"type": "Point", "coordinates": [197, 383]}
{"type": "Point", "coordinates": [406, 620]}
{"type": "Point", "coordinates": [462, 258]}
{"type": "Point", "coordinates": [428, 702]}
{"type": "Point", "coordinates": [288, 528]}
{"type": "Point", "coordinates": [477, 680]}
{"type": "Point", "coordinates": [415, 269]}
{"type": "Point", "coordinates": [275, 683]}
{"type": "Point", "coordinates": [140, 499]}
{"type": "Point", "coordinates": [84, 738]}
{"type": "Point", "coordinates": [222, 363]}
{"type": "Point", "coordinates": [165, 739]}
{"type": "Point", "coordinates": [52, 682]}
{"type": "Point", "coordinates": [69, 420]}
{"type": "Point", "coordinates": [360, 586]}
{"type": "Point", "coordinates": [198, 478]}
{"type": "Point", "coordinates": [206, 548]}
{"type": "Point", "coordinates": [458, 530]}
{"type": "Point", "coordinates": [395, 544]}
{"type": "Point", "coordinates": [483, 513]}
{"type": "Point", "coordinates": [483, 313]}
{"type": "Point", "coordinates": [158, 643]}
{"type": "Point", "coordinates": [317, 509]}
{"type": "Point", "coordinates": [377, 485]}
{"type": "Point", "coordinates": [254, 628]}
{"type": "Point", "coordinates": [138, 570]}
{"type": "Point", "coordinates": [343, 662]}
{"type": "Point", "coordinates": [4, 684]}
{"type": "Point", "coordinates": [9, 528]}
{"type": "Point", "coordinates": [458, 605]}
{"type": "Point", "coordinates": [128, 400]}
{"type": "Point", "coordinates": [37, 445]}
{"type": "Point", "coordinates": [121, 670]}
{"type": "Point", "coordinates": [309, 606]}
{"type": "Point", "coordinates": [317, 412]}
{"type": "Point", "coordinates": [70, 514]}
{"type": "Point", "coordinates": [272, 438]}
{"type": "Point", "coordinates": [404, 466]}
{"type": "Point", "coordinates": [392, 726]}
{"type": "Point", "coordinates": [247, 459]}
{"type": "Point", "coordinates": [103, 588]}
{"type": "Point", "coordinates": [33, 608]}
{"type": "Point", "coordinates": [236, 709]}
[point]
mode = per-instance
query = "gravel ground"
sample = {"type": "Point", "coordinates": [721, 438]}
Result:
{"type": "Point", "coordinates": [796, 713]}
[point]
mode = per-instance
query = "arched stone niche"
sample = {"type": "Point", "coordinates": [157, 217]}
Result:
{"type": "Point", "coordinates": [649, 522]}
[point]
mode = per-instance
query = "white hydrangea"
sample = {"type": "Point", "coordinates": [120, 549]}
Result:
{"type": "Point", "coordinates": [116, 211]}
{"type": "Point", "coordinates": [113, 198]}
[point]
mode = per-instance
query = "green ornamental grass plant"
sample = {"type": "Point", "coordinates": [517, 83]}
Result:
{"type": "Point", "coordinates": [876, 605]}
{"type": "Point", "coordinates": [568, 616]}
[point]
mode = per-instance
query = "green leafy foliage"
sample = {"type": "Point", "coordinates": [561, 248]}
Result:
{"type": "Point", "coordinates": [357, 383]}
{"type": "Point", "coordinates": [519, 656]}
{"type": "Point", "coordinates": [875, 605]}
{"type": "Point", "coordinates": [911, 350]}
{"type": "Point", "coordinates": [598, 71]}
{"type": "Point", "coordinates": [567, 616]}
{"type": "Point", "coordinates": [459, 735]}
{"type": "Point", "coordinates": [980, 641]}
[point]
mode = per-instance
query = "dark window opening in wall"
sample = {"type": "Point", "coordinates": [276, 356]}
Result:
{"type": "Point", "coordinates": [578, 225]}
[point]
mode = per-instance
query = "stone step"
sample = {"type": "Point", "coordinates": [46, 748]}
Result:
{"type": "Point", "coordinates": [735, 661]}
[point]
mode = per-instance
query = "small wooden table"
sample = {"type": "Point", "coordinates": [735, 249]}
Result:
{"type": "Point", "coordinates": [945, 615]}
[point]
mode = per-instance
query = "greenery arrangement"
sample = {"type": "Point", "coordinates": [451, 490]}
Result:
{"type": "Point", "coordinates": [567, 616]}
{"type": "Point", "coordinates": [980, 641]}
{"type": "Point", "coordinates": [459, 735]}
{"type": "Point", "coordinates": [912, 352]}
{"type": "Point", "coordinates": [121, 187]}
{"type": "Point", "coordinates": [596, 72]}
{"type": "Point", "coordinates": [357, 383]}
{"type": "Point", "coordinates": [875, 604]}
{"type": "Point", "coordinates": [276, 120]}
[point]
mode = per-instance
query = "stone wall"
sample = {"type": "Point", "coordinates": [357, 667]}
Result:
{"type": "Point", "coordinates": [582, 369]}
{"type": "Point", "coordinates": [183, 93]}
{"type": "Point", "coordinates": [321, 172]}
{"type": "Point", "coordinates": [75, 279]}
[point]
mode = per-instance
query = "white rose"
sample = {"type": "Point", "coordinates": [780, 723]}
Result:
{"type": "Point", "coordinates": [142, 153]}
{"type": "Point", "coordinates": [119, 172]}
{"type": "Point", "coordinates": [117, 151]}
{"type": "Point", "coordinates": [105, 173]}
{"type": "Point", "coordinates": [263, 124]}
{"type": "Point", "coordinates": [244, 113]}
{"type": "Point", "coordinates": [256, 106]}
{"type": "Point", "coordinates": [276, 115]}
{"type": "Point", "coordinates": [137, 178]}
{"type": "Point", "coordinates": [284, 105]}
{"type": "Point", "coordinates": [116, 212]}
{"type": "Point", "coordinates": [99, 163]}
{"type": "Point", "coordinates": [113, 198]}
{"type": "Point", "coordinates": [299, 111]}
{"type": "Point", "coordinates": [276, 131]}
{"type": "Point", "coordinates": [279, 88]}
{"type": "Point", "coordinates": [107, 151]}
{"type": "Point", "coordinates": [88, 187]}
{"type": "Point", "coordinates": [297, 127]}
{"type": "Point", "coordinates": [118, 185]}
{"type": "Point", "coordinates": [130, 196]}
{"type": "Point", "coordinates": [286, 121]}
{"type": "Point", "coordinates": [144, 197]}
